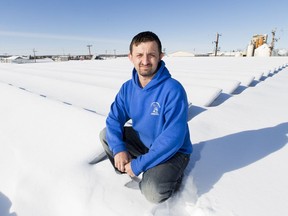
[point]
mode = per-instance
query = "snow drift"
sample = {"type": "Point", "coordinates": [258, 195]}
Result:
{"type": "Point", "coordinates": [237, 118]}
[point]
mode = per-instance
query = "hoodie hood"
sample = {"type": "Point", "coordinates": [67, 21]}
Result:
{"type": "Point", "coordinates": [161, 75]}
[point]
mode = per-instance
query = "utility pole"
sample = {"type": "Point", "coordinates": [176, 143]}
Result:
{"type": "Point", "coordinates": [273, 41]}
{"type": "Point", "coordinates": [217, 42]}
{"type": "Point", "coordinates": [89, 49]}
{"type": "Point", "coordinates": [34, 51]}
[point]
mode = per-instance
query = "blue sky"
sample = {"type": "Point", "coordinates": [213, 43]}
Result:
{"type": "Point", "coordinates": [68, 26]}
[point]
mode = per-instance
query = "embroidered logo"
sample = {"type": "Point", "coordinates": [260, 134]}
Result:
{"type": "Point", "coordinates": [155, 108]}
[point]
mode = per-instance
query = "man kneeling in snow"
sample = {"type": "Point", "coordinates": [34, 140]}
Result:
{"type": "Point", "coordinates": [158, 145]}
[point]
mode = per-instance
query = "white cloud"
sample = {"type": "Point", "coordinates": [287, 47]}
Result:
{"type": "Point", "coordinates": [58, 37]}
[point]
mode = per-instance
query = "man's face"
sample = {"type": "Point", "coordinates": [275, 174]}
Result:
{"type": "Point", "coordinates": [145, 58]}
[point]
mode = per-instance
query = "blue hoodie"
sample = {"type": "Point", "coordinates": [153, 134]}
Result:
{"type": "Point", "coordinates": [159, 114]}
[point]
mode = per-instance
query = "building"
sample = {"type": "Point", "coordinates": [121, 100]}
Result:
{"type": "Point", "coordinates": [15, 60]}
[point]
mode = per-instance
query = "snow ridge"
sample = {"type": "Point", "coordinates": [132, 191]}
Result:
{"type": "Point", "coordinates": [239, 138]}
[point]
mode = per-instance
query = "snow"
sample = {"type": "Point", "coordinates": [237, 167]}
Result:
{"type": "Point", "coordinates": [181, 54]}
{"type": "Point", "coordinates": [238, 167]}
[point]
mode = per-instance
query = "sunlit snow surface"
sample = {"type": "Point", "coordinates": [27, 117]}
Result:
{"type": "Point", "coordinates": [51, 115]}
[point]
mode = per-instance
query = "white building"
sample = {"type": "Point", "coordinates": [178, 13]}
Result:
{"type": "Point", "coordinates": [181, 54]}
{"type": "Point", "coordinates": [16, 60]}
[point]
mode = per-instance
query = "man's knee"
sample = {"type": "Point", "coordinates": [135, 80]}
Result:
{"type": "Point", "coordinates": [103, 141]}
{"type": "Point", "coordinates": [156, 192]}
{"type": "Point", "coordinates": [102, 135]}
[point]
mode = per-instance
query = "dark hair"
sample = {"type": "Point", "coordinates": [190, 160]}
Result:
{"type": "Point", "coordinates": [145, 37]}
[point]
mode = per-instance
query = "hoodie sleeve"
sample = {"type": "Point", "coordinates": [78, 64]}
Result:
{"type": "Point", "coordinates": [173, 134]}
{"type": "Point", "coordinates": [115, 121]}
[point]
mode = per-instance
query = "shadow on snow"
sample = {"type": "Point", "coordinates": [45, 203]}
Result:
{"type": "Point", "coordinates": [5, 205]}
{"type": "Point", "coordinates": [212, 159]}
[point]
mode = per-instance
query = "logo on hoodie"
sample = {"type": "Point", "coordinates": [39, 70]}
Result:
{"type": "Point", "coordinates": [155, 108]}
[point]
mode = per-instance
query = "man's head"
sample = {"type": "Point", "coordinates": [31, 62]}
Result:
{"type": "Point", "coordinates": [143, 37]}
{"type": "Point", "coordinates": [146, 53]}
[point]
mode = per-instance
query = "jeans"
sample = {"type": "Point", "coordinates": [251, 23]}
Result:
{"type": "Point", "coordinates": [160, 182]}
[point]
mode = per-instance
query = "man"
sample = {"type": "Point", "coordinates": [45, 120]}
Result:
{"type": "Point", "coordinates": [158, 144]}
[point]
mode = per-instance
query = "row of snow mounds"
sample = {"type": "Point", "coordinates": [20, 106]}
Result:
{"type": "Point", "coordinates": [220, 73]}
{"type": "Point", "coordinates": [204, 79]}
{"type": "Point", "coordinates": [227, 86]}
{"type": "Point", "coordinates": [71, 93]}
{"type": "Point", "coordinates": [63, 81]}
{"type": "Point", "coordinates": [86, 72]}
{"type": "Point", "coordinates": [91, 85]}
{"type": "Point", "coordinates": [202, 95]}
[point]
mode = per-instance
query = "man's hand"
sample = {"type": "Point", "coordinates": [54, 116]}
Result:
{"type": "Point", "coordinates": [128, 169]}
{"type": "Point", "coordinates": [121, 159]}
